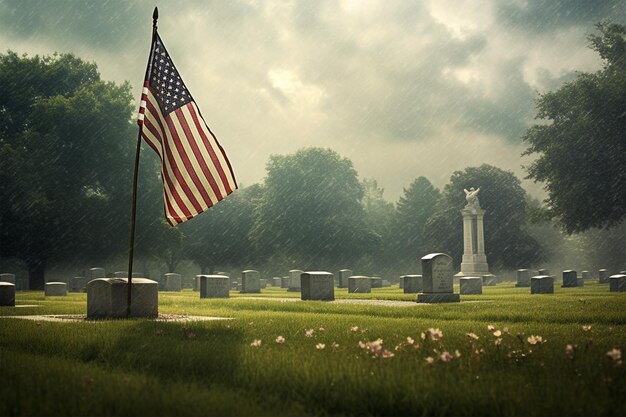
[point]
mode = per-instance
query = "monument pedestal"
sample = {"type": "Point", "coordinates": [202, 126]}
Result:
{"type": "Point", "coordinates": [474, 261]}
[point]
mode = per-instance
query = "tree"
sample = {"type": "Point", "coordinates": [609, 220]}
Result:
{"type": "Point", "coordinates": [221, 236]}
{"type": "Point", "coordinates": [413, 210]}
{"type": "Point", "coordinates": [507, 241]}
{"type": "Point", "coordinates": [311, 210]}
{"type": "Point", "coordinates": [66, 143]}
{"type": "Point", "coordinates": [379, 216]}
{"type": "Point", "coordinates": [582, 147]}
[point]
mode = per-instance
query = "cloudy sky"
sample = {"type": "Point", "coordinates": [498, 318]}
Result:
{"type": "Point", "coordinates": [402, 88]}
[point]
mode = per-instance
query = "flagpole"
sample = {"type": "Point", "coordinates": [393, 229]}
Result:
{"type": "Point", "coordinates": [133, 217]}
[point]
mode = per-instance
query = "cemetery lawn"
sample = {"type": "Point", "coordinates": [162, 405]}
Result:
{"type": "Point", "coordinates": [144, 367]}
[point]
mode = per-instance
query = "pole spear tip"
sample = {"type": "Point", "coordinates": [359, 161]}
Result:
{"type": "Point", "coordinates": [155, 15]}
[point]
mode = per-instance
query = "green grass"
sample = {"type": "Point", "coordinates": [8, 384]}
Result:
{"type": "Point", "coordinates": [142, 367]}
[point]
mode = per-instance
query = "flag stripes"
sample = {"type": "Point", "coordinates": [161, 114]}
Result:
{"type": "Point", "coordinates": [195, 171]}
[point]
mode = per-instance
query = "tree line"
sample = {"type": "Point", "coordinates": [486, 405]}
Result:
{"type": "Point", "coordinates": [66, 146]}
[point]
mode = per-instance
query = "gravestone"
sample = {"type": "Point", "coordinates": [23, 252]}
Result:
{"type": "Point", "coordinates": [276, 282]}
{"type": "Point", "coordinates": [7, 294]}
{"type": "Point", "coordinates": [55, 289]}
{"type": "Point", "coordinates": [317, 285]}
{"type": "Point", "coordinates": [196, 283]}
{"type": "Point", "coordinates": [6, 277]}
{"type": "Point", "coordinates": [250, 282]}
{"type": "Point", "coordinates": [294, 280]}
{"type": "Point", "coordinates": [580, 281]}
{"type": "Point", "coordinates": [523, 278]}
{"type": "Point", "coordinates": [570, 279]}
{"type": "Point", "coordinates": [617, 283]}
{"type": "Point", "coordinates": [377, 282]}
{"type": "Point", "coordinates": [412, 284]}
{"type": "Point", "coordinates": [78, 284]}
{"type": "Point", "coordinates": [284, 282]}
{"type": "Point", "coordinates": [386, 283]}
{"type": "Point", "coordinates": [603, 276]}
{"type": "Point", "coordinates": [359, 284]}
{"type": "Point", "coordinates": [263, 283]}
{"type": "Point", "coordinates": [344, 274]}
{"type": "Point", "coordinates": [107, 298]}
{"type": "Point", "coordinates": [489, 280]}
{"type": "Point", "coordinates": [93, 273]}
{"type": "Point", "coordinates": [542, 284]}
{"type": "Point", "coordinates": [401, 281]}
{"type": "Point", "coordinates": [214, 286]}
{"type": "Point", "coordinates": [437, 280]}
{"type": "Point", "coordinates": [471, 285]}
{"type": "Point", "coordinates": [173, 282]}
{"type": "Point", "coordinates": [585, 275]}
{"type": "Point", "coordinates": [124, 274]}
{"type": "Point", "coordinates": [543, 272]}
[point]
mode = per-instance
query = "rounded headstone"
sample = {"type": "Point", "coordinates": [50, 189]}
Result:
{"type": "Point", "coordinates": [7, 294]}
{"type": "Point", "coordinates": [55, 289]}
{"type": "Point", "coordinates": [6, 277]}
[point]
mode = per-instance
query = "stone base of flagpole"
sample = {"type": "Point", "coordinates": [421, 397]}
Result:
{"type": "Point", "coordinates": [107, 298]}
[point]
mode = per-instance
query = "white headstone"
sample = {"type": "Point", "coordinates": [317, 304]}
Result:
{"type": "Point", "coordinates": [471, 285]}
{"type": "Point", "coordinates": [603, 276]}
{"type": "Point", "coordinates": [294, 280]}
{"type": "Point", "coordinates": [55, 289]}
{"type": "Point", "coordinates": [437, 280]}
{"type": "Point", "coordinates": [250, 282]}
{"type": "Point", "coordinates": [173, 282]}
{"type": "Point", "coordinates": [586, 275]}
{"type": "Point", "coordinates": [489, 280]}
{"type": "Point", "coordinates": [276, 281]}
{"type": "Point", "coordinates": [284, 282]}
{"type": "Point", "coordinates": [317, 285]}
{"type": "Point", "coordinates": [542, 284]}
{"type": "Point", "coordinates": [412, 284]}
{"type": "Point", "coordinates": [523, 278]}
{"type": "Point", "coordinates": [359, 284]}
{"type": "Point", "coordinates": [617, 283]}
{"type": "Point", "coordinates": [344, 274]}
{"type": "Point", "coordinates": [108, 298]}
{"type": "Point", "coordinates": [78, 284]}
{"type": "Point", "coordinates": [570, 279]}
{"type": "Point", "coordinates": [214, 286]}
{"type": "Point", "coordinates": [377, 282]}
{"type": "Point", "coordinates": [7, 294]}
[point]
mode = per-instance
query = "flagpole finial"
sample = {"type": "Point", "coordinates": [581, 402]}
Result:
{"type": "Point", "coordinates": [155, 17]}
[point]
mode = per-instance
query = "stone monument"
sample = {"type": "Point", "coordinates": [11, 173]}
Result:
{"type": "Point", "coordinates": [173, 281]}
{"type": "Point", "coordinates": [474, 262]}
{"type": "Point", "coordinates": [7, 294]}
{"type": "Point", "coordinates": [570, 279]}
{"type": "Point", "coordinates": [359, 284]}
{"type": "Point", "coordinates": [107, 298]}
{"type": "Point", "coordinates": [294, 280]}
{"type": "Point", "coordinates": [250, 282]}
{"type": "Point", "coordinates": [523, 278]}
{"type": "Point", "coordinates": [412, 284]}
{"type": "Point", "coordinates": [344, 274]}
{"type": "Point", "coordinates": [55, 289]}
{"type": "Point", "coordinates": [542, 284]}
{"type": "Point", "coordinates": [214, 286]}
{"type": "Point", "coordinates": [317, 286]}
{"type": "Point", "coordinates": [437, 280]}
{"type": "Point", "coordinates": [471, 285]}
{"type": "Point", "coordinates": [603, 276]}
{"type": "Point", "coordinates": [617, 283]}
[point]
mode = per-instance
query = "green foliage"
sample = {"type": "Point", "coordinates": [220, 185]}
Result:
{"type": "Point", "coordinates": [220, 236]}
{"type": "Point", "coordinates": [413, 210]}
{"type": "Point", "coordinates": [146, 367]}
{"type": "Point", "coordinates": [582, 148]}
{"type": "Point", "coordinates": [507, 241]}
{"type": "Point", "coordinates": [66, 146]}
{"type": "Point", "coordinates": [311, 210]}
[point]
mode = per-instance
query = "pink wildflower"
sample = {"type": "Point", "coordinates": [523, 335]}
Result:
{"type": "Point", "coordinates": [320, 346]}
{"type": "Point", "coordinates": [354, 329]}
{"type": "Point", "coordinates": [616, 355]}
{"type": "Point", "coordinates": [536, 340]}
{"type": "Point", "coordinates": [570, 351]}
{"type": "Point", "coordinates": [430, 360]}
{"type": "Point", "coordinates": [280, 340]}
{"type": "Point", "coordinates": [446, 357]}
{"type": "Point", "coordinates": [409, 340]}
{"type": "Point", "coordinates": [457, 354]}
{"type": "Point", "coordinates": [491, 327]}
{"type": "Point", "coordinates": [472, 336]}
{"type": "Point", "coordinates": [309, 333]}
{"type": "Point", "coordinates": [435, 334]}
{"type": "Point", "coordinates": [334, 345]}
{"type": "Point", "coordinates": [256, 343]}
{"type": "Point", "coordinates": [498, 341]}
{"type": "Point", "coordinates": [586, 328]}
{"type": "Point", "coordinates": [497, 333]}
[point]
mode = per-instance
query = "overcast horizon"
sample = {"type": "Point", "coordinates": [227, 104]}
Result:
{"type": "Point", "coordinates": [403, 89]}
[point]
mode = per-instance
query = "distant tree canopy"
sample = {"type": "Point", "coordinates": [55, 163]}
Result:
{"type": "Point", "coordinates": [582, 150]}
{"type": "Point", "coordinates": [311, 210]}
{"type": "Point", "coordinates": [507, 241]}
{"type": "Point", "coordinates": [413, 210]}
{"type": "Point", "coordinates": [66, 146]}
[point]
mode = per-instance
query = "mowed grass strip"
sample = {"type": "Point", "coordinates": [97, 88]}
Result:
{"type": "Point", "coordinates": [341, 378]}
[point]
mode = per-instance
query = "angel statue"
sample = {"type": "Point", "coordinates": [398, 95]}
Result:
{"type": "Point", "coordinates": [472, 198]}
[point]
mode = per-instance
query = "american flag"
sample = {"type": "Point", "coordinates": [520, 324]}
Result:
{"type": "Point", "coordinates": [195, 171]}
